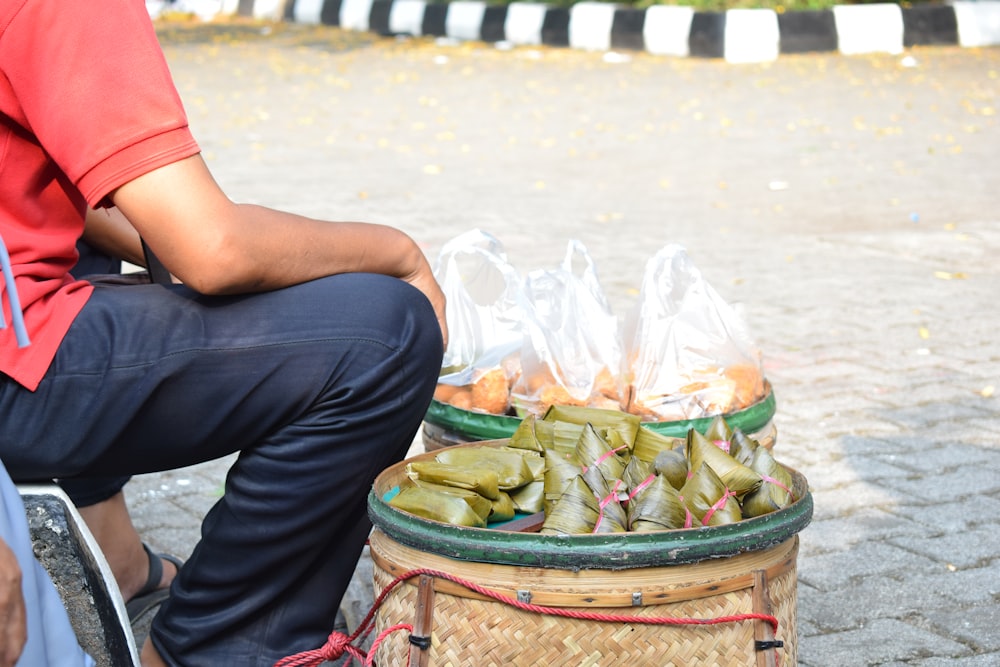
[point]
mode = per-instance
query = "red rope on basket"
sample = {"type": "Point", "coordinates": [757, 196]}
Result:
{"type": "Point", "coordinates": [338, 641]}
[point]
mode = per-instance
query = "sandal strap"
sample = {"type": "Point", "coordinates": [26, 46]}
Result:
{"type": "Point", "coordinates": [155, 572]}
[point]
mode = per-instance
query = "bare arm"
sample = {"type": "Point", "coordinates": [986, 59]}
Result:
{"type": "Point", "coordinates": [216, 246]}
{"type": "Point", "coordinates": [13, 623]}
{"type": "Point", "coordinates": [109, 231]}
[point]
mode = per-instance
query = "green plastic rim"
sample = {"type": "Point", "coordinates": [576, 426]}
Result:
{"type": "Point", "coordinates": [480, 426]}
{"type": "Point", "coordinates": [576, 552]}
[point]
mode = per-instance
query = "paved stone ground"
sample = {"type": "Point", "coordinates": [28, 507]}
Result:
{"type": "Point", "coordinates": [848, 205]}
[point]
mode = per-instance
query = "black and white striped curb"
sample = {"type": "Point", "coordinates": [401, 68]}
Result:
{"type": "Point", "coordinates": [738, 35]}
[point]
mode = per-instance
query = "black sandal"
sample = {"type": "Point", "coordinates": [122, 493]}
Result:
{"type": "Point", "coordinates": [150, 595]}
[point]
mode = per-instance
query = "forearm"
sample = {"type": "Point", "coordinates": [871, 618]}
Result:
{"type": "Point", "coordinates": [109, 231]}
{"type": "Point", "coordinates": [274, 249]}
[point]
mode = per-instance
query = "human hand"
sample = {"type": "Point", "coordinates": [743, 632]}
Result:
{"type": "Point", "coordinates": [423, 279]}
{"type": "Point", "coordinates": [13, 623]}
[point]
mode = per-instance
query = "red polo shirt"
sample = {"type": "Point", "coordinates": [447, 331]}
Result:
{"type": "Point", "coordinates": [86, 104]}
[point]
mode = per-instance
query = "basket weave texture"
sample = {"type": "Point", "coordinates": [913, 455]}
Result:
{"type": "Point", "coordinates": [473, 630]}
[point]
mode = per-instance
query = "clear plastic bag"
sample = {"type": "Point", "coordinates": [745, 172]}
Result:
{"type": "Point", "coordinates": [572, 348]}
{"type": "Point", "coordinates": [688, 354]}
{"type": "Point", "coordinates": [484, 316]}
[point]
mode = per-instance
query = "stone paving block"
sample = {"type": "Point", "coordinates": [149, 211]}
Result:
{"type": "Point", "coordinates": [973, 586]}
{"type": "Point", "coordinates": [896, 447]}
{"type": "Point", "coordinates": [952, 517]}
{"type": "Point", "coordinates": [849, 471]}
{"type": "Point", "coordinates": [982, 660]}
{"type": "Point", "coordinates": [982, 432]}
{"type": "Point", "coordinates": [885, 598]}
{"type": "Point", "coordinates": [836, 569]}
{"type": "Point", "coordinates": [945, 455]}
{"type": "Point", "coordinates": [960, 388]}
{"type": "Point", "coordinates": [947, 486]}
{"type": "Point", "coordinates": [971, 626]}
{"type": "Point", "coordinates": [965, 549]}
{"type": "Point", "coordinates": [876, 643]}
{"type": "Point", "coordinates": [844, 500]}
{"type": "Point", "coordinates": [934, 412]}
{"type": "Point", "coordinates": [840, 533]}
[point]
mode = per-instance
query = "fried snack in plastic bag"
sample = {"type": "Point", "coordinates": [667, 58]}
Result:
{"type": "Point", "coordinates": [572, 348]}
{"type": "Point", "coordinates": [687, 353]}
{"type": "Point", "coordinates": [484, 323]}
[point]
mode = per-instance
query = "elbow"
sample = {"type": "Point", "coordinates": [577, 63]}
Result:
{"type": "Point", "coordinates": [218, 270]}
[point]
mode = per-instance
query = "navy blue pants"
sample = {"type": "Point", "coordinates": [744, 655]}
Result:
{"type": "Point", "coordinates": [319, 387]}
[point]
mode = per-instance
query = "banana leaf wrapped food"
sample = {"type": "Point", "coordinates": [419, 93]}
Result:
{"type": "Point", "coordinates": [588, 478]}
{"type": "Point", "coordinates": [673, 465]}
{"type": "Point", "coordinates": [599, 463]}
{"type": "Point", "coordinates": [737, 477]}
{"type": "Point", "coordinates": [509, 463]}
{"type": "Point", "coordinates": [502, 508]}
{"type": "Point", "coordinates": [742, 447]}
{"type": "Point", "coordinates": [530, 498]}
{"type": "Point", "coordinates": [636, 474]}
{"type": "Point", "coordinates": [719, 433]}
{"type": "Point", "coordinates": [532, 434]}
{"type": "Point", "coordinates": [708, 498]}
{"type": "Point", "coordinates": [483, 481]}
{"type": "Point", "coordinates": [573, 418]}
{"type": "Point", "coordinates": [775, 491]}
{"type": "Point", "coordinates": [648, 444]}
{"type": "Point", "coordinates": [574, 513]}
{"type": "Point", "coordinates": [560, 471]}
{"type": "Point", "coordinates": [481, 505]}
{"type": "Point", "coordinates": [611, 515]}
{"type": "Point", "coordinates": [437, 506]}
{"type": "Point", "coordinates": [657, 506]}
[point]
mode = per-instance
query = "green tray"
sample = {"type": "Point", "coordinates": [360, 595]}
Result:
{"type": "Point", "coordinates": [480, 426]}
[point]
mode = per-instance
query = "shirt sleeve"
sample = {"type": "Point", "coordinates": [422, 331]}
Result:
{"type": "Point", "coordinates": [96, 91]}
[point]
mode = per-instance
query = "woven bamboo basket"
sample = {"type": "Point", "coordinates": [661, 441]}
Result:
{"type": "Point", "coordinates": [670, 577]}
